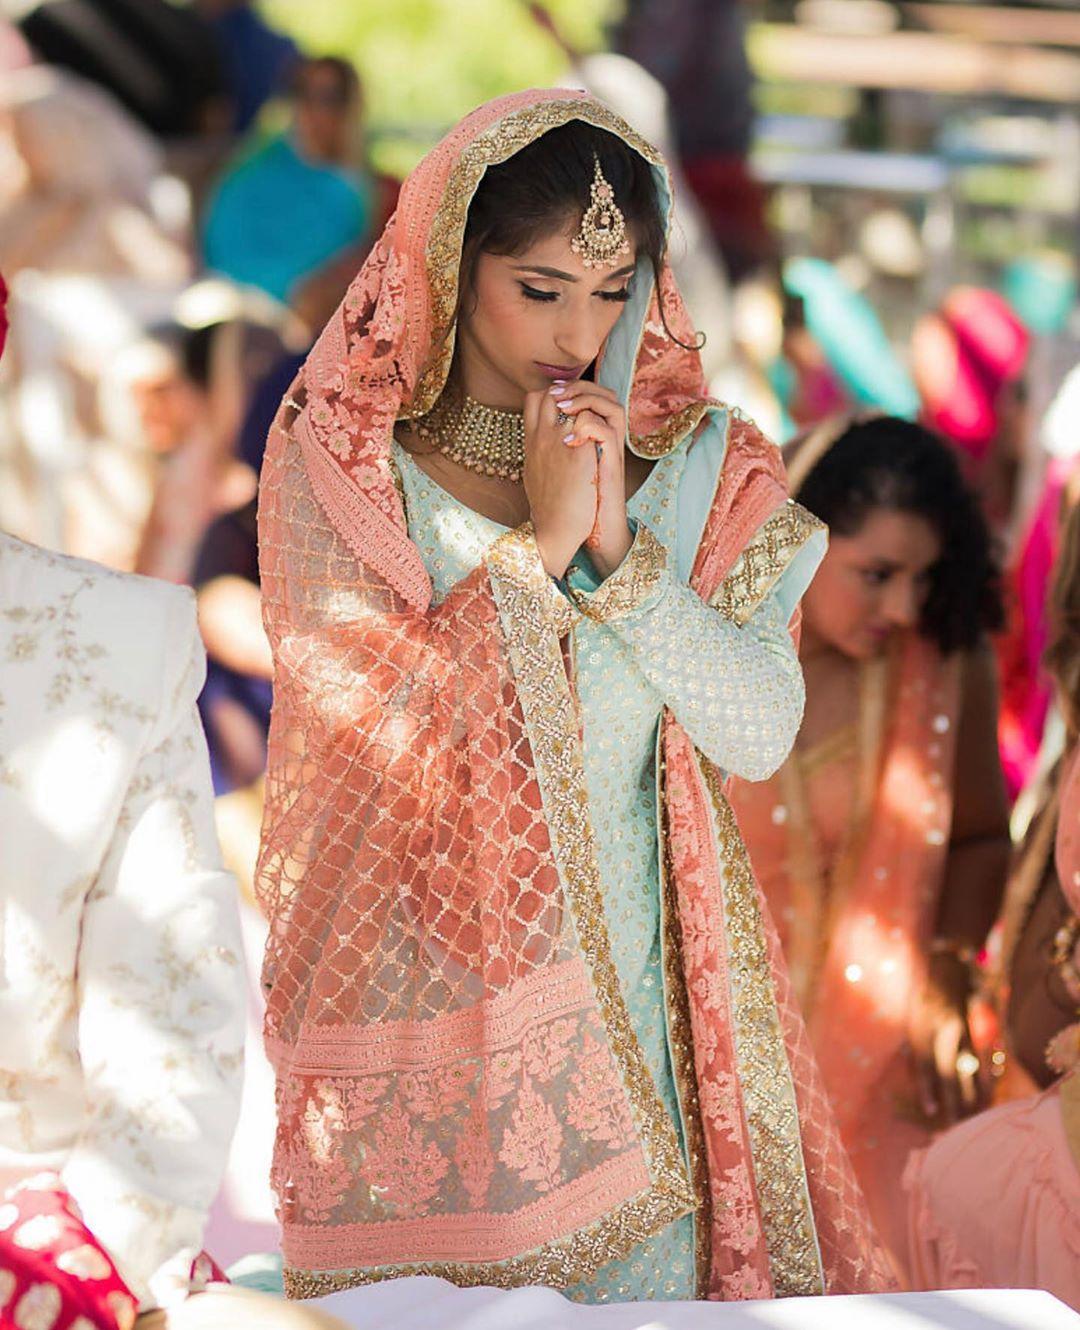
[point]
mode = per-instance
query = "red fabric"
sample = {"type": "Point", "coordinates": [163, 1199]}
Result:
{"type": "Point", "coordinates": [54, 1274]}
{"type": "Point", "coordinates": [3, 313]}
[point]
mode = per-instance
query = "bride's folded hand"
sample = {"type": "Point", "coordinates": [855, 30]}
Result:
{"type": "Point", "coordinates": [559, 478]}
{"type": "Point", "coordinates": [597, 417]}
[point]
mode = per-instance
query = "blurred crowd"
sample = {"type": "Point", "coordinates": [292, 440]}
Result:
{"type": "Point", "coordinates": [185, 197]}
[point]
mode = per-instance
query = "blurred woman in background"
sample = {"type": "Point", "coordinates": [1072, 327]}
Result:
{"type": "Point", "coordinates": [881, 843]}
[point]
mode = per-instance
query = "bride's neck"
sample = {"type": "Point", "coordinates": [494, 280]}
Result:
{"type": "Point", "coordinates": [473, 376]}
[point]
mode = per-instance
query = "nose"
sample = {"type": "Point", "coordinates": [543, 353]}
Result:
{"type": "Point", "coordinates": [903, 606]}
{"type": "Point", "coordinates": [579, 333]}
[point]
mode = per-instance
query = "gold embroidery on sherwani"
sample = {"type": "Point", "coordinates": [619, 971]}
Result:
{"type": "Point", "coordinates": [764, 561]}
{"type": "Point", "coordinates": [772, 1115]}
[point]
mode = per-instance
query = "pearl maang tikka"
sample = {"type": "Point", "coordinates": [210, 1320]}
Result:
{"type": "Point", "coordinates": [602, 237]}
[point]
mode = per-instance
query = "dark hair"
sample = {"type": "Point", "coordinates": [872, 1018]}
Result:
{"type": "Point", "coordinates": [347, 78]}
{"type": "Point", "coordinates": [891, 463]}
{"type": "Point", "coordinates": [546, 185]}
{"type": "Point", "coordinates": [192, 347]}
{"type": "Point", "coordinates": [197, 352]}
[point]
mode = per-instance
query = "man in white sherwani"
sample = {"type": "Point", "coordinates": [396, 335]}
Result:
{"type": "Point", "coordinates": [121, 988]}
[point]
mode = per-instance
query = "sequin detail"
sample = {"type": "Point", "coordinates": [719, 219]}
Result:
{"type": "Point", "coordinates": [744, 715]}
{"type": "Point", "coordinates": [502, 140]}
{"type": "Point", "coordinates": [764, 1071]}
{"type": "Point", "coordinates": [631, 586]}
{"type": "Point", "coordinates": [764, 561]}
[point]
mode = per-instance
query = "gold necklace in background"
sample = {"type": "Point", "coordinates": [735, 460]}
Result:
{"type": "Point", "coordinates": [480, 438]}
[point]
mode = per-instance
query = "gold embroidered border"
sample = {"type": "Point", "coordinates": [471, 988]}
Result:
{"type": "Point", "coordinates": [523, 592]}
{"type": "Point", "coordinates": [520, 567]}
{"type": "Point", "coordinates": [631, 585]}
{"type": "Point", "coordinates": [521, 586]}
{"type": "Point", "coordinates": [764, 560]}
{"type": "Point", "coordinates": [681, 1041]}
{"type": "Point", "coordinates": [500, 141]}
{"type": "Point", "coordinates": [671, 432]}
{"type": "Point", "coordinates": [768, 1091]}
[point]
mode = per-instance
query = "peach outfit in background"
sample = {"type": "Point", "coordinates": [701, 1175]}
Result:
{"type": "Point", "coordinates": [995, 1202]}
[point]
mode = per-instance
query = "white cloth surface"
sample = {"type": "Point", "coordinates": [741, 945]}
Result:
{"type": "Point", "coordinates": [433, 1304]}
{"type": "Point", "coordinates": [121, 982]}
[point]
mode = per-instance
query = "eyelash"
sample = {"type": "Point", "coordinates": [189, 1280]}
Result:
{"type": "Point", "coordinates": [531, 293]}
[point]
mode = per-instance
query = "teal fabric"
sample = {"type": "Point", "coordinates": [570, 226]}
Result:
{"type": "Point", "coordinates": [276, 217]}
{"type": "Point", "coordinates": [847, 329]}
{"type": "Point", "coordinates": [1042, 290]}
{"type": "Point", "coordinates": [696, 488]}
{"type": "Point", "coordinates": [621, 712]}
{"type": "Point", "coordinates": [261, 1271]}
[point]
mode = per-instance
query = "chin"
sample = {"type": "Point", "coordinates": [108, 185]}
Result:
{"type": "Point", "coordinates": [872, 645]}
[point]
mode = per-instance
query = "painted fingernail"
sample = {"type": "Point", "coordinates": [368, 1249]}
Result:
{"type": "Point", "coordinates": [568, 438]}
{"type": "Point", "coordinates": [569, 401]}
{"type": "Point", "coordinates": [558, 386]}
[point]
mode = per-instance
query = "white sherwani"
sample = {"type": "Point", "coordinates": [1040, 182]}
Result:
{"type": "Point", "coordinates": [121, 997]}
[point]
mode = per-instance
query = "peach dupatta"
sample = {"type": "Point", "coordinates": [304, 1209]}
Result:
{"type": "Point", "coordinates": [856, 938]}
{"type": "Point", "coordinates": [460, 1089]}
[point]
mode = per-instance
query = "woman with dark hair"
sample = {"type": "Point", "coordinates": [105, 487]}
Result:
{"type": "Point", "coordinates": [881, 843]}
{"type": "Point", "coordinates": [528, 593]}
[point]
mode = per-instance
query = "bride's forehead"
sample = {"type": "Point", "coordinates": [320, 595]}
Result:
{"type": "Point", "coordinates": [555, 250]}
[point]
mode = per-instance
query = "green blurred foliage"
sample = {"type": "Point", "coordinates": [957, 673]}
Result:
{"type": "Point", "coordinates": [425, 63]}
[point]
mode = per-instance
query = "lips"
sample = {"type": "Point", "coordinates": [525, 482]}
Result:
{"type": "Point", "coordinates": [567, 372]}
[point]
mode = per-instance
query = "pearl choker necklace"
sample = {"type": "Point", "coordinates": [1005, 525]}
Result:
{"type": "Point", "coordinates": [480, 438]}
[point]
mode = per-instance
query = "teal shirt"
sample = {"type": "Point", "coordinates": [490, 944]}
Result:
{"type": "Point", "coordinates": [276, 217]}
{"type": "Point", "coordinates": [736, 690]}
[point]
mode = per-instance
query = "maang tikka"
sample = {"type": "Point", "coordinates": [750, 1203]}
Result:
{"type": "Point", "coordinates": [602, 237]}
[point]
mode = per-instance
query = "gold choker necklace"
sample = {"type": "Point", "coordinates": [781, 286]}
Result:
{"type": "Point", "coordinates": [480, 438]}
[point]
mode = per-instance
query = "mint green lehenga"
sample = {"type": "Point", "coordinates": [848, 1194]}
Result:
{"type": "Point", "coordinates": [621, 710]}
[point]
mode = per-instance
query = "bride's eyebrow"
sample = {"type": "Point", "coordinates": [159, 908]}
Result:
{"type": "Point", "coordinates": [561, 276]}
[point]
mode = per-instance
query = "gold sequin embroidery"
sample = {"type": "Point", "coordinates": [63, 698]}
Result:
{"type": "Point", "coordinates": [506, 137]}
{"type": "Point", "coordinates": [681, 1042]}
{"type": "Point", "coordinates": [520, 586]}
{"type": "Point", "coordinates": [631, 585]}
{"type": "Point", "coordinates": [764, 561]}
{"type": "Point", "coordinates": [661, 442]}
{"type": "Point", "coordinates": [772, 1113]}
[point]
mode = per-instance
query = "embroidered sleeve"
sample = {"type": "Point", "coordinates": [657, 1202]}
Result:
{"type": "Point", "coordinates": [770, 558]}
{"type": "Point", "coordinates": [633, 586]}
{"type": "Point", "coordinates": [160, 1001]}
{"type": "Point", "coordinates": [736, 690]}
{"type": "Point", "coordinates": [734, 683]}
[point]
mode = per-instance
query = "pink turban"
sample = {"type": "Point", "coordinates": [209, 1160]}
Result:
{"type": "Point", "coordinates": [962, 357]}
